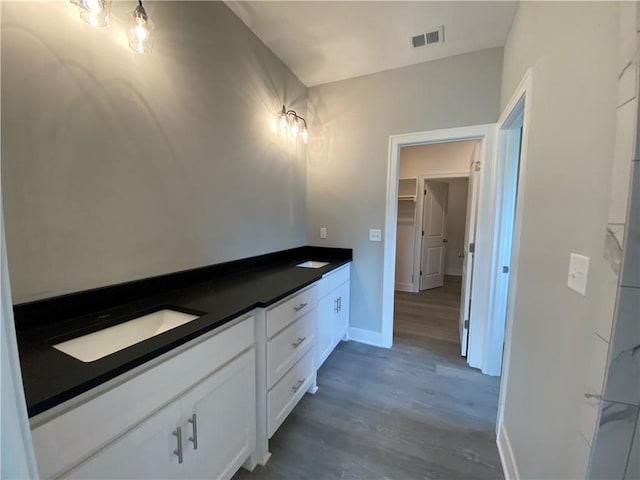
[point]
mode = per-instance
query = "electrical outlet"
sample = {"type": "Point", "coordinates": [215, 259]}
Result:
{"type": "Point", "coordinates": [375, 235]}
{"type": "Point", "coordinates": [323, 232]}
{"type": "Point", "coordinates": [578, 272]}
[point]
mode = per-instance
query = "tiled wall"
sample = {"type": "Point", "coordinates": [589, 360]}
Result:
{"type": "Point", "coordinates": [615, 452]}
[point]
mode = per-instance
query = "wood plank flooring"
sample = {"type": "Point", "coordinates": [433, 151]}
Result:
{"type": "Point", "coordinates": [415, 411]}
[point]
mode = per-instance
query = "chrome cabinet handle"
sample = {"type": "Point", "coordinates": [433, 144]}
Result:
{"type": "Point", "coordinates": [300, 340]}
{"type": "Point", "coordinates": [340, 304]}
{"type": "Point", "coordinates": [300, 307]}
{"type": "Point", "coordinates": [335, 306]}
{"type": "Point", "coordinates": [178, 452]}
{"type": "Point", "coordinates": [297, 386]}
{"type": "Point", "coordinates": [194, 438]}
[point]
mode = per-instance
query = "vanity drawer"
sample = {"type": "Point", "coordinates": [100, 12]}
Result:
{"type": "Point", "coordinates": [289, 309]}
{"type": "Point", "coordinates": [289, 345]}
{"type": "Point", "coordinates": [284, 396]}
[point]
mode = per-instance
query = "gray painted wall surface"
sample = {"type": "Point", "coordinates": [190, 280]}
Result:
{"type": "Point", "coordinates": [572, 48]}
{"type": "Point", "coordinates": [117, 166]}
{"type": "Point", "coordinates": [351, 122]}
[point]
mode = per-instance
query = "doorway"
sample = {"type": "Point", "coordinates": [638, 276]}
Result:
{"type": "Point", "coordinates": [481, 139]}
{"type": "Point", "coordinates": [436, 218]}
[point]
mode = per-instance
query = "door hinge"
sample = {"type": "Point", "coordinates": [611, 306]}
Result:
{"type": "Point", "coordinates": [423, 233]}
{"type": "Point", "coordinates": [412, 280]}
{"type": "Point", "coordinates": [466, 324]}
{"type": "Point", "coordinates": [421, 272]}
{"type": "Point", "coordinates": [505, 269]}
{"type": "Point", "coordinates": [425, 192]}
{"type": "Point", "coordinates": [472, 247]}
{"type": "Point", "coordinates": [477, 166]}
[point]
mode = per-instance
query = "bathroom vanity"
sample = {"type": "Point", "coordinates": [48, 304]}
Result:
{"type": "Point", "coordinates": [182, 376]}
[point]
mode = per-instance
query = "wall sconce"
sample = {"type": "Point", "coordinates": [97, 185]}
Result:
{"type": "Point", "coordinates": [141, 30]}
{"type": "Point", "coordinates": [289, 119]}
{"type": "Point", "coordinates": [95, 12]}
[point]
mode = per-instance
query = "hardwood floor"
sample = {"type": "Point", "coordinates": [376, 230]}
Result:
{"type": "Point", "coordinates": [415, 411]}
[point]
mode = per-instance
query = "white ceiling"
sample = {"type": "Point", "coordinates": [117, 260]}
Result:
{"type": "Point", "coordinates": [323, 42]}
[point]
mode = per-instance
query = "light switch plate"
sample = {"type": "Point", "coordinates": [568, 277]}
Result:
{"type": "Point", "coordinates": [578, 272]}
{"type": "Point", "coordinates": [375, 235]}
{"type": "Point", "coordinates": [323, 232]}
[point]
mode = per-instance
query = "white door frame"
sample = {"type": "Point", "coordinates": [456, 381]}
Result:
{"type": "Point", "coordinates": [417, 243]}
{"type": "Point", "coordinates": [483, 133]}
{"type": "Point", "coordinates": [518, 107]}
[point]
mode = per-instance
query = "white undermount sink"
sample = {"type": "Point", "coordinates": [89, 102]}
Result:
{"type": "Point", "coordinates": [312, 264]}
{"type": "Point", "coordinates": [93, 346]}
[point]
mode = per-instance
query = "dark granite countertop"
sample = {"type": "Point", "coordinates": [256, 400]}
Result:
{"type": "Point", "coordinates": [221, 292]}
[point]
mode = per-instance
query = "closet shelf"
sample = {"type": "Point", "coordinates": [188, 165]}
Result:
{"type": "Point", "coordinates": [406, 198]}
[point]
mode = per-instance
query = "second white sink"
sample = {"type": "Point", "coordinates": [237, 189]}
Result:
{"type": "Point", "coordinates": [312, 264]}
{"type": "Point", "coordinates": [96, 345]}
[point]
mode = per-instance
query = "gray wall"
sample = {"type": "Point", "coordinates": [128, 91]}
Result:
{"type": "Point", "coordinates": [572, 48]}
{"type": "Point", "coordinates": [352, 120]}
{"type": "Point", "coordinates": [117, 166]}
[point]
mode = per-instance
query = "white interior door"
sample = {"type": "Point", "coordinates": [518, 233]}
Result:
{"type": "Point", "coordinates": [467, 264]}
{"type": "Point", "coordinates": [434, 234]}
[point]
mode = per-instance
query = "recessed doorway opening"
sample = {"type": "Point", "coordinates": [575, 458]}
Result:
{"type": "Point", "coordinates": [436, 214]}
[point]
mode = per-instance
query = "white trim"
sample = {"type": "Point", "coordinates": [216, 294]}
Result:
{"type": "Point", "coordinates": [475, 132]}
{"type": "Point", "coordinates": [524, 90]}
{"type": "Point", "coordinates": [368, 337]}
{"type": "Point", "coordinates": [508, 461]}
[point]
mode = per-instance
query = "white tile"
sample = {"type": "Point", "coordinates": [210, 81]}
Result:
{"type": "Point", "coordinates": [611, 447]}
{"type": "Point", "coordinates": [633, 465]}
{"type": "Point", "coordinates": [581, 452]}
{"type": "Point", "coordinates": [607, 286]}
{"type": "Point", "coordinates": [590, 403]}
{"type": "Point", "coordinates": [623, 378]}
{"type": "Point", "coordinates": [627, 14]}
{"type": "Point", "coordinates": [614, 241]}
{"type": "Point", "coordinates": [631, 257]}
{"type": "Point", "coordinates": [627, 82]}
{"type": "Point", "coordinates": [622, 156]}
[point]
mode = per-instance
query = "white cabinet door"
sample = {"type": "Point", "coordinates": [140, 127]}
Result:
{"type": "Point", "coordinates": [219, 414]}
{"type": "Point", "coordinates": [144, 452]}
{"type": "Point", "coordinates": [341, 316]}
{"type": "Point", "coordinates": [324, 338]}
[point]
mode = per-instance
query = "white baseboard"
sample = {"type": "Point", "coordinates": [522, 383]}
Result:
{"type": "Point", "coordinates": [369, 337]}
{"type": "Point", "coordinates": [404, 287]}
{"type": "Point", "coordinates": [507, 459]}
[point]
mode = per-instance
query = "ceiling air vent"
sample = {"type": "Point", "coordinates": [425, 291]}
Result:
{"type": "Point", "coordinates": [430, 38]}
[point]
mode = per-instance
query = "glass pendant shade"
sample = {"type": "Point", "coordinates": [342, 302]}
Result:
{"type": "Point", "coordinates": [95, 12]}
{"type": "Point", "coordinates": [284, 121]}
{"type": "Point", "coordinates": [141, 31]}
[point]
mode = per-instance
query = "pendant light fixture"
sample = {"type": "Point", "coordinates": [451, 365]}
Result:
{"type": "Point", "coordinates": [95, 12]}
{"type": "Point", "coordinates": [141, 31]}
{"type": "Point", "coordinates": [290, 120]}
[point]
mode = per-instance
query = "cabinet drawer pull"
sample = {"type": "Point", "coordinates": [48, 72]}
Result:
{"type": "Point", "coordinates": [300, 340]}
{"type": "Point", "coordinates": [297, 386]}
{"type": "Point", "coordinates": [194, 438]}
{"type": "Point", "coordinates": [178, 452]}
{"type": "Point", "coordinates": [300, 307]}
{"type": "Point", "coordinates": [335, 305]}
